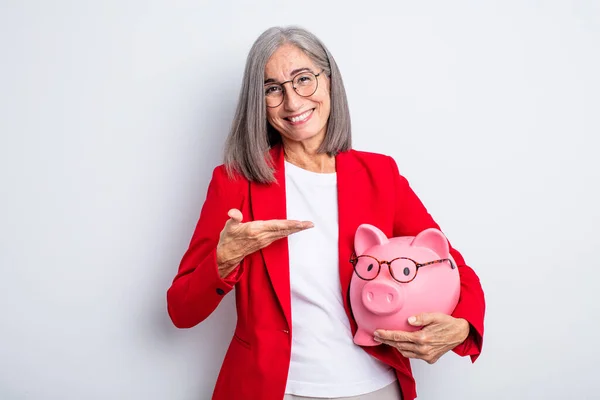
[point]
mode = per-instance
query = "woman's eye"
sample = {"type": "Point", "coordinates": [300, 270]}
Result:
{"type": "Point", "coordinates": [272, 90]}
{"type": "Point", "coordinates": [304, 79]}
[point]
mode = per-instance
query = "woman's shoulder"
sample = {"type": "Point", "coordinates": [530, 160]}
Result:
{"type": "Point", "coordinates": [370, 159]}
{"type": "Point", "coordinates": [370, 155]}
{"type": "Point", "coordinates": [377, 164]}
{"type": "Point", "coordinates": [228, 178]}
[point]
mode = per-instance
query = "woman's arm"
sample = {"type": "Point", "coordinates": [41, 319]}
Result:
{"type": "Point", "coordinates": [214, 261]}
{"type": "Point", "coordinates": [411, 217]}
{"type": "Point", "coordinates": [198, 287]}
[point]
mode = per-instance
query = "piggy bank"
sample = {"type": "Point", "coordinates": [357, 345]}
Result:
{"type": "Point", "coordinates": [400, 277]}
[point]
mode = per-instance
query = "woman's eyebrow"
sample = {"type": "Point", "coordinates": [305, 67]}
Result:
{"type": "Point", "coordinates": [294, 72]}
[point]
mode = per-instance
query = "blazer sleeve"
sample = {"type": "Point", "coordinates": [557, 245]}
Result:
{"type": "Point", "coordinates": [411, 217]}
{"type": "Point", "coordinates": [198, 288]}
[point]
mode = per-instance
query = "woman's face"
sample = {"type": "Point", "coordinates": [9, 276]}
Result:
{"type": "Point", "coordinates": [297, 118]}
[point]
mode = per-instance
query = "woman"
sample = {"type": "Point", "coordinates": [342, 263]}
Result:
{"type": "Point", "coordinates": [278, 225]}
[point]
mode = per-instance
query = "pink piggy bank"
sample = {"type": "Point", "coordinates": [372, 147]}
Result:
{"type": "Point", "coordinates": [400, 277]}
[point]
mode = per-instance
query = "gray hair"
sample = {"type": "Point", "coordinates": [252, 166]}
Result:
{"type": "Point", "coordinates": [251, 135]}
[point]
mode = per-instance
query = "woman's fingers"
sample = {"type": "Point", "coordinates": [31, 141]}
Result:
{"type": "Point", "coordinates": [285, 227]}
{"type": "Point", "coordinates": [399, 336]}
{"type": "Point", "coordinates": [409, 354]}
{"type": "Point", "coordinates": [440, 334]}
{"type": "Point", "coordinates": [235, 220]}
{"type": "Point", "coordinates": [235, 215]}
{"type": "Point", "coordinates": [413, 350]}
{"type": "Point", "coordinates": [239, 239]}
{"type": "Point", "coordinates": [263, 233]}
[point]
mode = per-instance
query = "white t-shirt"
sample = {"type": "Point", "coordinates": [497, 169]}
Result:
{"type": "Point", "coordinates": [325, 361]}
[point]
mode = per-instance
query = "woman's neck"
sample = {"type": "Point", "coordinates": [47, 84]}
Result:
{"type": "Point", "coordinates": [306, 157]}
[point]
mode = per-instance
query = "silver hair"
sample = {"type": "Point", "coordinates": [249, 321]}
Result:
{"type": "Point", "coordinates": [251, 135]}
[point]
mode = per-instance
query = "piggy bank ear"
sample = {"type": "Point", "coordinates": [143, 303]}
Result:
{"type": "Point", "coordinates": [366, 237]}
{"type": "Point", "coordinates": [433, 239]}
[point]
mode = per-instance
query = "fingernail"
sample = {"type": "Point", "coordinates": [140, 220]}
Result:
{"type": "Point", "coordinates": [377, 335]}
{"type": "Point", "coordinates": [412, 320]}
{"type": "Point", "coordinates": [377, 339]}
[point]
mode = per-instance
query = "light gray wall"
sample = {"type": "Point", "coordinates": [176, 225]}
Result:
{"type": "Point", "coordinates": [113, 114]}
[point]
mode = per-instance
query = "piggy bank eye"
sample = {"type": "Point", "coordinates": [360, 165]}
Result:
{"type": "Point", "coordinates": [366, 268]}
{"type": "Point", "coordinates": [403, 269]}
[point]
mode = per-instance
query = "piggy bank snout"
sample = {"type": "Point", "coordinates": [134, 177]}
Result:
{"type": "Point", "coordinates": [382, 298]}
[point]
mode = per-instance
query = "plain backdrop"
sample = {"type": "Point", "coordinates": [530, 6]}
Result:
{"type": "Point", "coordinates": [114, 113]}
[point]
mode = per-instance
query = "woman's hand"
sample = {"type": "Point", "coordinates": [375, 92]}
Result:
{"type": "Point", "coordinates": [240, 239]}
{"type": "Point", "coordinates": [440, 334]}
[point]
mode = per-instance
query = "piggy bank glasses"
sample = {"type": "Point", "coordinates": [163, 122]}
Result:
{"type": "Point", "coordinates": [402, 269]}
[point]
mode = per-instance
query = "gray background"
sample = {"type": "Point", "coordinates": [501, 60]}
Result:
{"type": "Point", "coordinates": [113, 114]}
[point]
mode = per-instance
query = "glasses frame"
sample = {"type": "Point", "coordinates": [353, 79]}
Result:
{"type": "Point", "coordinates": [295, 90]}
{"type": "Point", "coordinates": [354, 260]}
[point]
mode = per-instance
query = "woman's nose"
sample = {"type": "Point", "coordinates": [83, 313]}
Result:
{"type": "Point", "coordinates": [291, 99]}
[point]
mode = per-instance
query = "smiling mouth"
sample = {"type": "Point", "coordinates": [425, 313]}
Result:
{"type": "Point", "coordinates": [300, 118]}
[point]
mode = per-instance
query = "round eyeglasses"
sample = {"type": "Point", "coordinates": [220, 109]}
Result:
{"type": "Point", "coordinates": [305, 84]}
{"type": "Point", "coordinates": [402, 269]}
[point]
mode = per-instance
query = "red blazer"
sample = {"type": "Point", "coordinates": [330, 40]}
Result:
{"type": "Point", "coordinates": [370, 190]}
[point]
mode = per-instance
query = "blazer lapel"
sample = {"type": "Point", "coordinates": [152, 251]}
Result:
{"type": "Point", "coordinates": [354, 201]}
{"type": "Point", "coordinates": [268, 202]}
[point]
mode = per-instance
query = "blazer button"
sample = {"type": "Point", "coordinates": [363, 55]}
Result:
{"type": "Point", "coordinates": [220, 292]}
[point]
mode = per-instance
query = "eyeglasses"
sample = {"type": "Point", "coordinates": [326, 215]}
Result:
{"type": "Point", "coordinates": [402, 269]}
{"type": "Point", "coordinates": [304, 83]}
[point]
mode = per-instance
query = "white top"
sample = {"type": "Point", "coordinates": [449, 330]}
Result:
{"type": "Point", "coordinates": [325, 361]}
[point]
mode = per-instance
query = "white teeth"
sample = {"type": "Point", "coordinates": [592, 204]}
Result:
{"type": "Point", "coordinates": [301, 117]}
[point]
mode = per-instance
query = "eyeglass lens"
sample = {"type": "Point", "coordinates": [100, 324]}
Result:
{"type": "Point", "coordinates": [305, 84]}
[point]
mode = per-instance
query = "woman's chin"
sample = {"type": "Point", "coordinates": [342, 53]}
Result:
{"type": "Point", "coordinates": [303, 136]}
